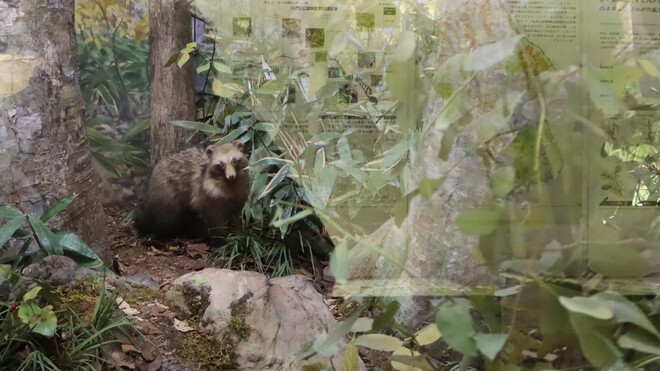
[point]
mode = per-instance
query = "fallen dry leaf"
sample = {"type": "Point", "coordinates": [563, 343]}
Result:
{"type": "Point", "coordinates": [182, 326]}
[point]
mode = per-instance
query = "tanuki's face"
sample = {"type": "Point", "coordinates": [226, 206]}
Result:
{"type": "Point", "coordinates": [226, 161]}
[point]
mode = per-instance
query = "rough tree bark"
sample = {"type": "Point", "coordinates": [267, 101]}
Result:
{"type": "Point", "coordinates": [44, 151]}
{"type": "Point", "coordinates": [172, 89]}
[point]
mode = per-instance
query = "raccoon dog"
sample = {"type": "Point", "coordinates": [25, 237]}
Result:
{"type": "Point", "coordinates": [195, 192]}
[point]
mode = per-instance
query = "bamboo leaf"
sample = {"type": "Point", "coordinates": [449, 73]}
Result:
{"type": "Point", "coordinates": [56, 209]}
{"type": "Point", "coordinates": [10, 227]}
{"type": "Point", "coordinates": [489, 55]}
{"type": "Point", "coordinates": [200, 126]}
{"type": "Point", "coordinates": [48, 239]}
{"type": "Point", "coordinates": [277, 179]}
{"type": "Point", "coordinates": [380, 342]}
{"type": "Point", "coordinates": [9, 212]}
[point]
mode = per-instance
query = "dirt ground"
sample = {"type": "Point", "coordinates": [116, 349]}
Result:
{"type": "Point", "coordinates": [156, 264]}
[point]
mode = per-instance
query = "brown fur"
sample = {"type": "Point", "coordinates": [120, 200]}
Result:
{"type": "Point", "coordinates": [195, 192]}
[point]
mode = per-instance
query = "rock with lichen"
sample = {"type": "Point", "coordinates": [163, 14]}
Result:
{"type": "Point", "coordinates": [250, 321]}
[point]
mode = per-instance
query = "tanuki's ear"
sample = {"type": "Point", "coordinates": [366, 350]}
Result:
{"type": "Point", "coordinates": [209, 151]}
{"type": "Point", "coordinates": [239, 145]}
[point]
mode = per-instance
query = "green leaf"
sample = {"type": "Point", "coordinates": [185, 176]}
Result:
{"type": "Point", "coordinates": [478, 222]}
{"type": "Point", "coordinates": [324, 138]}
{"type": "Point", "coordinates": [351, 361]}
{"type": "Point", "coordinates": [428, 335]}
{"type": "Point", "coordinates": [269, 129]}
{"type": "Point", "coordinates": [592, 306]}
{"type": "Point", "coordinates": [513, 290]}
{"type": "Point", "coordinates": [405, 47]}
{"type": "Point", "coordinates": [404, 359]}
{"type": "Point", "coordinates": [640, 341]}
{"type": "Point", "coordinates": [386, 319]}
{"type": "Point", "coordinates": [595, 340]}
{"type": "Point", "coordinates": [427, 187]}
{"type": "Point", "coordinates": [225, 90]}
{"type": "Point", "coordinates": [200, 126]}
{"type": "Point", "coordinates": [277, 179]}
{"type": "Point", "coordinates": [401, 207]}
{"type": "Point", "coordinates": [30, 295]}
{"type": "Point", "coordinates": [316, 366]}
{"type": "Point", "coordinates": [362, 324]}
{"type": "Point", "coordinates": [8, 229]}
{"type": "Point", "coordinates": [46, 322]}
{"type": "Point", "coordinates": [292, 219]}
{"type": "Point", "coordinates": [502, 180]}
{"type": "Point", "coordinates": [137, 129]}
{"type": "Point", "coordinates": [106, 164]}
{"type": "Point", "coordinates": [271, 87]}
{"type": "Point", "coordinates": [457, 328]}
{"type": "Point", "coordinates": [330, 340]}
{"type": "Point", "coordinates": [393, 155]}
{"type": "Point", "coordinates": [489, 55]}
{"type": "Point", "coordinates": [233, 135]}
{"type": "Point", "coordinates": [185, 57]}
{"type": "Point", "coordinates": [55, 210]}
{"type": "Point", "coordinates": [5, 273]}
{"type": "Point", "coordinates": [221, 67]}
{"type": "Point", "coordinates": [338, 44]}
{"type": "Point", "coordinates": [490, 344]}
{"type": "Point", "coordinates": [649, 68]}
{"type": "Point", "coordinates": [74, 243]}
{"type": "Point", "coordinates": [47, 238]}
{"type": "Point", "coordinates": [28, 311]}
{"type": "Point", "coordinates": [627, 311]}
{"type": "Point", "coordinates": [203, 68]}
{"type": "Point", "coordinates": [340, 263]}
{"type": "Point", "coordinates": [9, 212]}
{"type": "Point", "coordinates": [172, 59]}
{"type": "Point", "coordinates": [380, 342]}
{"type": "Point", "coordinates": [617, 261]}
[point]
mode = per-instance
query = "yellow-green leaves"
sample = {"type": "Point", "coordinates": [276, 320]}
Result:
{"type": "Point", "coordinates": [380, 342]}
{"type": "Point", "coordinates": [5, 272]}
{"type": "Point", "coordinates": [405, 48]}
{"type": "Point", "coordinates": [340, 263]}
{"type": "Point", "coordinates": [339, 43]}
{"type": "Point", "coordinates": [226, 90]}
{"type": "Point", "coordinates": [489, 55]}
{"type": "Point", "coordinates": [617, 261]}
{"type": "Point", "coordinates": [455, 324]}
{"type": "Point", "coordinates": [351, 361]}
{"type": "Point", "coordinates": [592, 307]}
{"type": "Point", "coordinates": [40, 320]}
{"type": "Point", "coordinates": [478, 222]}
{"type": "Point", "coordinates": [649, 68]}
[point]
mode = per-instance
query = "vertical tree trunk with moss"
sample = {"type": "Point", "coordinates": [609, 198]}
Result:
{"type": "Point", "coordinates": [172, 89]}
{"type": "Point", "coordinates": [44, 150]}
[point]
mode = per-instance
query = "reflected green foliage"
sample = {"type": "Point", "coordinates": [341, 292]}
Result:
{"type": "Point", "coordinates": [113, 51]}
{"type": "Point", "coordinates": [568, 230]}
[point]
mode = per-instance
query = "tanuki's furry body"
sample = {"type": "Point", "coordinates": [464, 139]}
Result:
{"type": "Point", "coordinates": [195, 192]}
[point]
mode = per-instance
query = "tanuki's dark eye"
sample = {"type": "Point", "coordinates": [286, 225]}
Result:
{"type": "Point", "coordinates": [234, 162]}
{"type": "Point", "coordinates": [220, 166]}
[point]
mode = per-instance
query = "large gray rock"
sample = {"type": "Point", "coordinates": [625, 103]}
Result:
{"type": "Point", "coordinates": [282, 314]}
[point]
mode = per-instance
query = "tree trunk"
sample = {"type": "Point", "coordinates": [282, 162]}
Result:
{"type": "Point", "coordinates": [44, 150]}
{"type": "Point", "coordinates": [172, 89]}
